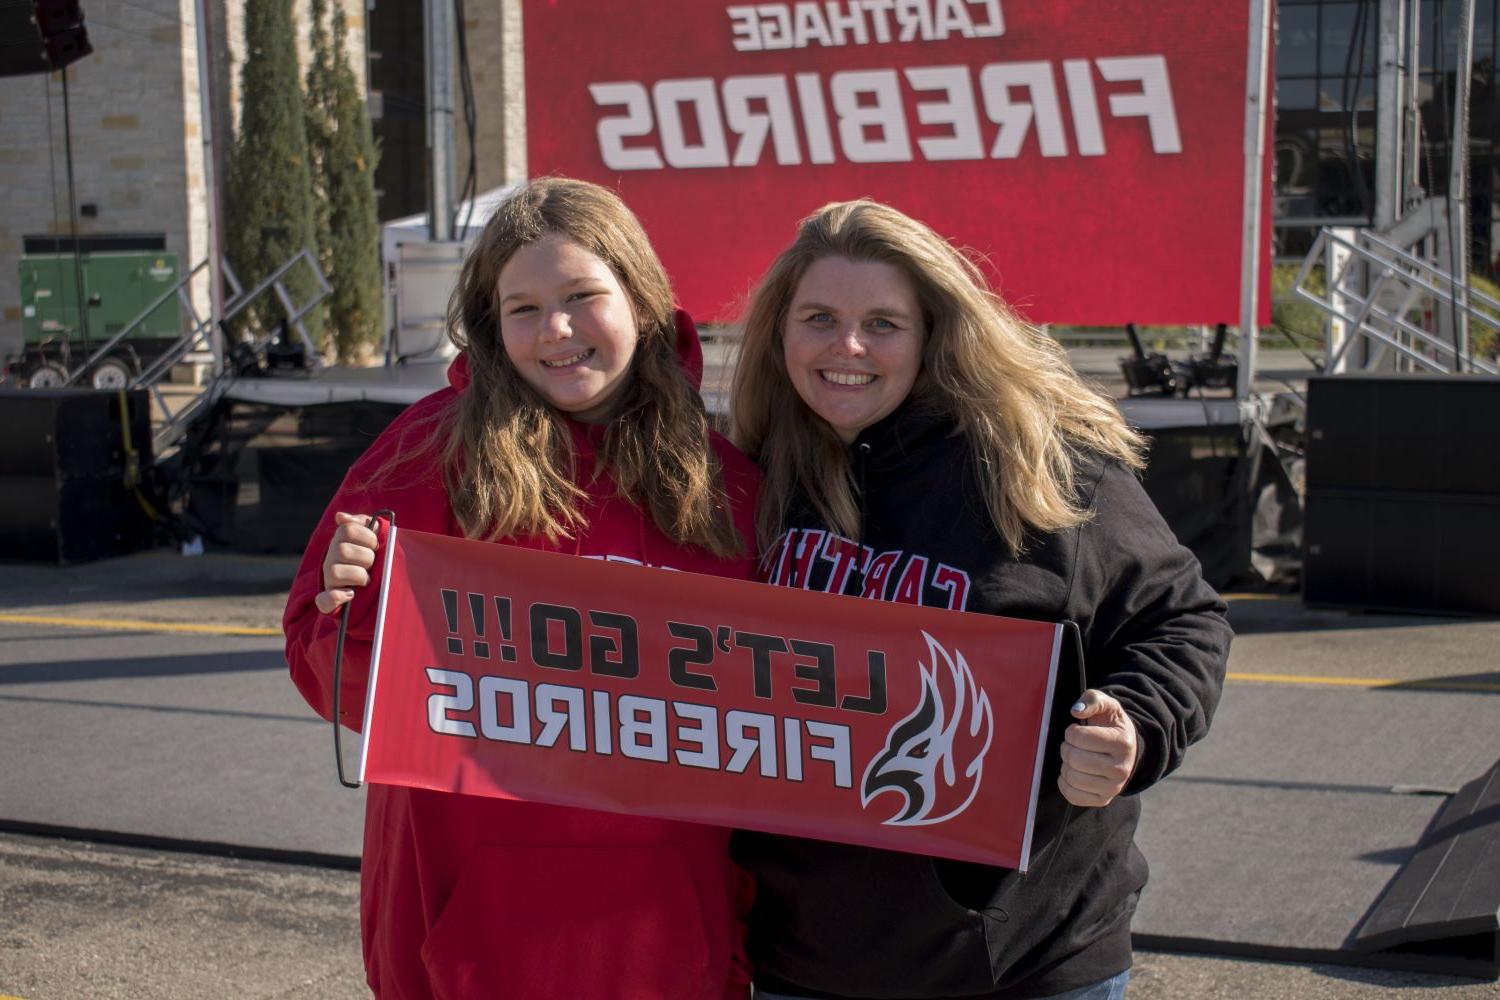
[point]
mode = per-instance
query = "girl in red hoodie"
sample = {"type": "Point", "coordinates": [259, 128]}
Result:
{"type": "Point", "coordinates": [572, 423]}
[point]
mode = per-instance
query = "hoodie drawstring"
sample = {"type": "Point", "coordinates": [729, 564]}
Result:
{"type": "Point", "coordinates": [863, 451]}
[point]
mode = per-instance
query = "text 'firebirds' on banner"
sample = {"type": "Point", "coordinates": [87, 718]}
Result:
{"type": "Point", "coordinates": [1091, 153]}
{"type": "Point", "coordinates": [513, 673]}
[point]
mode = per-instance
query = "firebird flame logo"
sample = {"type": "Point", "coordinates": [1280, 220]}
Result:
{"type": "Point", "coordinates": [921, 750]}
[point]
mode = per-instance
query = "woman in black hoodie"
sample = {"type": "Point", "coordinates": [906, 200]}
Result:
{"type": "Point", "coordinates": [897, 405]}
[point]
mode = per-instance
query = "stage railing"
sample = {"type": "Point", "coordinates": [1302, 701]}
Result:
{"type": "Point", "coordinates": [1375, 288]}
{"type": "Point", "coordinates": [200, 332]}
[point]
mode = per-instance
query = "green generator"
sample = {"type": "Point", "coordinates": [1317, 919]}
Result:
{"type": "Point", "coordinates": [118, 286]}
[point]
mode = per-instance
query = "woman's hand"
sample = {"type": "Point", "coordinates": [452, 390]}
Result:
{"type": "Point", "coordinates": [351, 553]}
{"type": "Point", "coordinates": [1098, 752]}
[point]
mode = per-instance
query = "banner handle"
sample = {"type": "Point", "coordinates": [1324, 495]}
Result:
{"type": "Point", "coordinates": [1070, 629]}
{"type": "Point", "coordinates": [338, 664]}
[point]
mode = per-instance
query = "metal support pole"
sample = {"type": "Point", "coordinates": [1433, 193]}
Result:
{"type": "Point", "coordinates": [211, 187]}
{"type": "Point", "coordinates": [1413, 103]}
{"type": "Point", "coordinates": [1388, 116]}
{"type": "Point", "coordinates": [1458, 183]}
{"type": "Point", "coordinates": [1256, 101]}
{"type": "Point", "coordinates": [439, 24]}
{"type": "Point", "coordinates": [1336, 260]}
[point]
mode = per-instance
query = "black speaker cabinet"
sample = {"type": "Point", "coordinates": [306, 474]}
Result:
{"type": "Point", "coordinates": [1196, 477]}
{"type": "Point", "coordinates": [1385, 551]}
{"type": "Point", "coordinates": [40, 36]}
{"type": "Point", "coordinates": [296, 484]}
{"type": "Point", "coordinates": [1403, 494]}
{"type": "Point", "coordinates": [1409, 433]}
{"type": "Point", "coordinates": [64, 497]}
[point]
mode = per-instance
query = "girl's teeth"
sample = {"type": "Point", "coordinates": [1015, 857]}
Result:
{"type": "Point", "coordinates": [848, 378]}
{"type": "Point", "coordinates": [565, 362]}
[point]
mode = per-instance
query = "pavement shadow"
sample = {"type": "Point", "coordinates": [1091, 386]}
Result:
{"type": "Point", "coordinates": [178, 665]}
{"type": "Point", "coordinates": [146, 576]}
{"type": "Point", "coordinates": [1261, 616]}
{"type": "Point", "coordinates": [1384, 979]}
{"type": "Point", "coordinates": [63, 635]}
{"type": "Point", "coordinates": [1487, 682]}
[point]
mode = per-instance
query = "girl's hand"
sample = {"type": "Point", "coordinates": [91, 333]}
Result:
{"type": "Point", "coordinates": [351, 553]}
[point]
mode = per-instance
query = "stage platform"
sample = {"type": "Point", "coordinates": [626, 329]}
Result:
{"type": "Point", "coordinates": [1148, 413]}
{"type": "Point", "coordinates": [406, 383]}
{"type": "Point", "coordinates": [399, 384]}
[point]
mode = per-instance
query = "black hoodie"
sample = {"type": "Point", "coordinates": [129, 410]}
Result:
{"type": "Point", "coordinates": [834, 920]}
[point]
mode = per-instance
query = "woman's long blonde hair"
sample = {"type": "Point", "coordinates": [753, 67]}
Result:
{"type": "Point", "coordinates": [1008, 386]}
{"type": "Point", "coordinates": [509, 460]}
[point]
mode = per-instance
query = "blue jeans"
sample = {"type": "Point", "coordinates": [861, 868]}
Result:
{"type": "Point", "coordinates": [1112, 988]}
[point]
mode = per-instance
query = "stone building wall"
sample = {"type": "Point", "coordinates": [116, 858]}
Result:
{"type": "Point", "coordinates": [494, 34]}
{"type": "Point", "coordinates": [137, 133]}
{"type": "Point", "coordinates": [127, 129]}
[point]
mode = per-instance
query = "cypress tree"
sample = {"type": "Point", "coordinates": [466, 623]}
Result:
{"type": "Point", "coordinates": [355, 310]}
{"type": "Point", "coordinates": [270, 213]}
{"type": "Point", "coordinates": [319, 117]}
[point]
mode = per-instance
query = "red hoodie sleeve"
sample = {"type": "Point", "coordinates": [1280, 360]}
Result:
{"type": "Point", "coordinates": [741, 972]}
{"type": "Point", "coordinates": [742, 482]}
{"type": "Point", "coordinates": [415, 493]}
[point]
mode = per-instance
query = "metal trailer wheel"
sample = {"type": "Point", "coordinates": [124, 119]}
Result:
{"type": "Point", "coordinates": [111, 373]}
{"type": "Point", "coordinates": [46, 375]}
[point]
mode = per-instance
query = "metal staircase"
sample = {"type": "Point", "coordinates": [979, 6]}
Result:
{"type": "Point", "coordinates": [199, 336]}
{"type": "Point", "coordinates": [1406, 313]}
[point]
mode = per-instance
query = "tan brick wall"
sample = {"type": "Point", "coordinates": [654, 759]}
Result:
{"type": "Point", "coordinates": [127, 126]}
{"type": "Point", "coordinates": [137, 132]}
{"type": "Point", "coordinates": [494, 43]}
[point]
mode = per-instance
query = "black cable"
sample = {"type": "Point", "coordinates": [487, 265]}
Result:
{"type": "Point", "coordinates": [1291, 388]}
{"type": "Point", "coordinates": [469, 191]}
{"type": "Point", "coordinates": [148, 10]}
{"type": "Point", "coordinates": [338, 671]}
{"type": "Point", "coordinates": [1357, 34]}
{"type": "Point", "coordinates": [57, 275]}
{"type": "Point", "coordinates": [83, 312]}
{"type": "Point", "coordinates": [1466, 232]}
{"type": "Point", "coordinates": [338, 658]}
{"type": "Point", "coordinates": [1459, 248]}
{"type": "Point", "coordinates": [94, 22]}
{"type": "Point", "coordinates": [1295, 335]}
{"type": "Point", "coordinates": [1208, 419]}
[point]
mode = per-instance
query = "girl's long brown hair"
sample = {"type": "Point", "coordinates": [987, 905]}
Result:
{"type": "Point", "coordinates": [1008, 386]}
{"type": "Point", "coordinates": [510, 466]}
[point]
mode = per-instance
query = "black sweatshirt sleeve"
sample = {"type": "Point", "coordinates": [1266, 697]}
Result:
{"type": "Point", "coordinates": [1156, 636]}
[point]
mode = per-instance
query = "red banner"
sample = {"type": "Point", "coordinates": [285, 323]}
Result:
{"type": "Point", "coordinates": [520, 674]}
{"type": "Point", "coordinates": [1092, 153]}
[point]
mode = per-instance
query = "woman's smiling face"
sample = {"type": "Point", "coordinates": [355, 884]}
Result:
{"type": "Point", "coordinates": [852, 342]}
{"type": "Point", "coordinates": [568, 326]}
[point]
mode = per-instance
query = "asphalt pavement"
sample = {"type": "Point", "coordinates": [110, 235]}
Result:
{"type": "Point", "coordinates": [171, 826]}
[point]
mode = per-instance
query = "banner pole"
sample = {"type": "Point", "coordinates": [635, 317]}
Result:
{"type": "Point", "coordinates": [338, 656]}
{"type": "Point", "coordinates": [1256, 103]}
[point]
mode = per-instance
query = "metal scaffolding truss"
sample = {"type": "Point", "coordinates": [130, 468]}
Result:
{"type": "Point", "coordinates": [1378, 294]}
{"type": "Point", "coordinates": [199, 336]}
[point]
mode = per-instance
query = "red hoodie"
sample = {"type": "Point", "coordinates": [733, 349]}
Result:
{"type": "Point", "coordinates": [463, 896]}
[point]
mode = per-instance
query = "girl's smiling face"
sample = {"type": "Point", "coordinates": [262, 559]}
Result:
{"type": "Point", "coordinates": [568, 326]}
